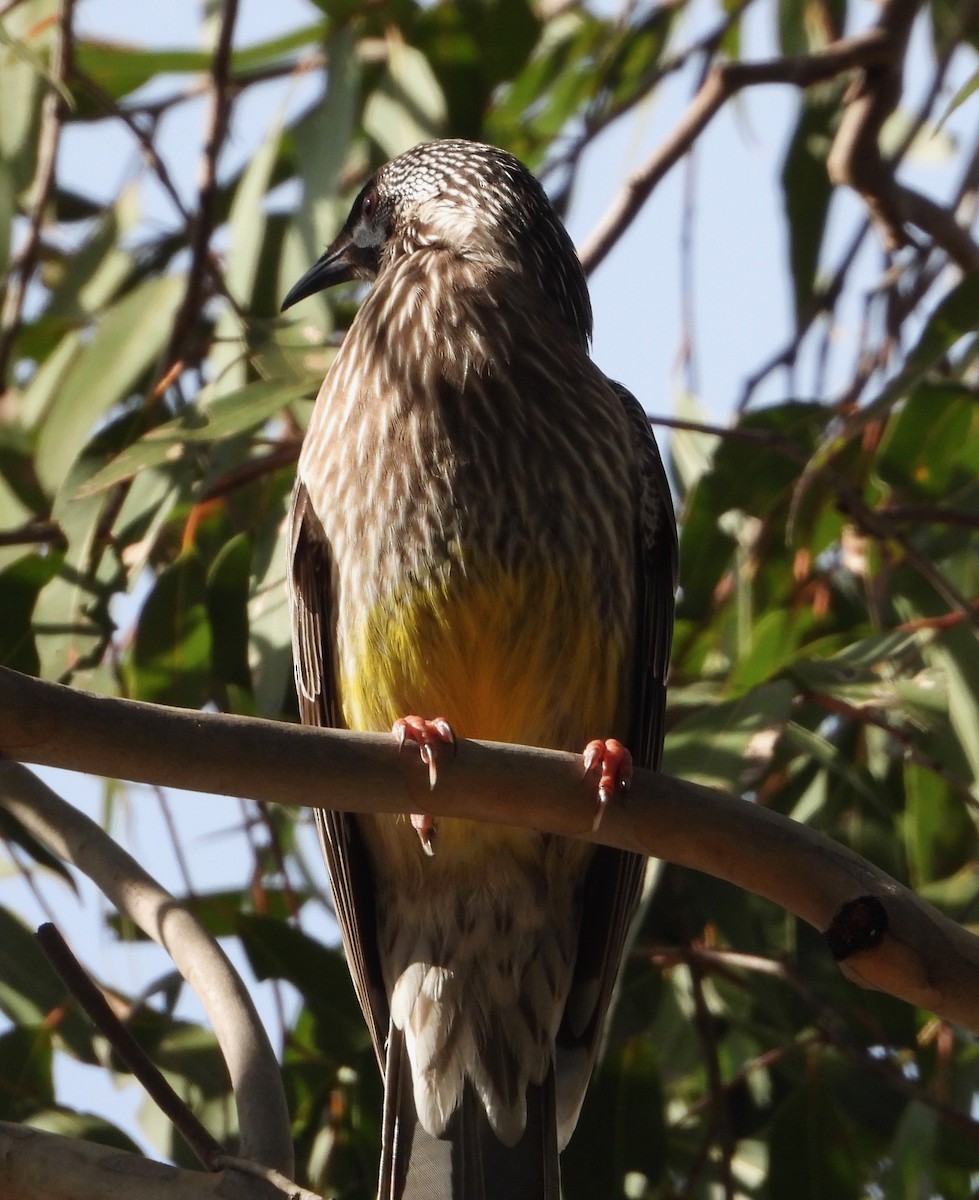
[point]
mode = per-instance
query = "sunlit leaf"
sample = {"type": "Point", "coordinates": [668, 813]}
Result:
{"type": "Point", "coordinates": [224, 417]}
{"type": "Point", "coordinates": [30, 992]}
{"type": "Point", "coordinates": [711, 746]}
{"type": "Point", "coordinates": [128, 339]}
{"type": "Point", "coordinates": [408, 106]}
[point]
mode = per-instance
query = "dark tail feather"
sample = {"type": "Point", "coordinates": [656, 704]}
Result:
{"type": "Point", "coordinates": [469, 1162]}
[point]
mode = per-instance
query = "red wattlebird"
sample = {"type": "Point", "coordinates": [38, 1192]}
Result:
{"type": "Point", "coordinates": [481, 534]}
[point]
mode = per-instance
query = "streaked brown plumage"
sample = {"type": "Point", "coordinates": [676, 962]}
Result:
{"type": "Point", "coordinates": [482, 530]}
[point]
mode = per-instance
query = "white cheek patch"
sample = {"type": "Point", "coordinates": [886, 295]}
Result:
{"type": "Point", "coordinates": [366, 235]}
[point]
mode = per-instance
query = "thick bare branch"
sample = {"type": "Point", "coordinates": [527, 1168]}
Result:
{"type": "Point", "coordinates": [884, 935]}
{"type": "Point", "coordinates": [35, 1165]}
{"type": "Point", "coordinates": [856, 159]}
{"type": "Point", "coordinates": [263, 1117]}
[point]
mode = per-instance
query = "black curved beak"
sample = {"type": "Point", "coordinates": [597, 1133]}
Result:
{"type": "Point", "coordinates": [335, 266]}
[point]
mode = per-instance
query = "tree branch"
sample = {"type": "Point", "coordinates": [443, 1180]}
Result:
{"type": "Point", "coordinates": [52, 117]}
{"type": "Point", "coordinates": [122, 1040]}
{"type": "Point", "coordinates": [855, 158]}
{"type": "Point", "coordinates": [724, 81]}
{"type": "Point", "coordinates": [207, 186]}
{"type": "Point", "coordinates": [263, 1117]}
{"type": "Point", "coordinates": [884, 936]}
{"type": "Point", "coordinates": [35, 1165]}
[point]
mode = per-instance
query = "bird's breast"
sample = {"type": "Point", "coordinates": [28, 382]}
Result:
{"type": "Point", "coordinates": [480, 518]}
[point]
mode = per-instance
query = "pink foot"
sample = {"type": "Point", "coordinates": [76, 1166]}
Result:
{"type": "Point", "coordinates": [428, 736]}
{"type": "Point", "coordinates": [616, 764]}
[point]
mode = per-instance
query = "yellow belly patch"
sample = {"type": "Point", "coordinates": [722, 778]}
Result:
{"type": "Point", "coordinates": [505, 657]}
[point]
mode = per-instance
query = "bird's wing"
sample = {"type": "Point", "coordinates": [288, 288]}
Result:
{"type": "Point", "coordinates": [614, 882]}
{"type": "Point", "coordinates": [313, 620]}
{"type": "Point", "coordinates": [657, 559]}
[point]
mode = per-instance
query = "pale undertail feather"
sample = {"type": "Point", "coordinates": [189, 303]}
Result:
{"type": "Point", "coordinates": [469, 1162]}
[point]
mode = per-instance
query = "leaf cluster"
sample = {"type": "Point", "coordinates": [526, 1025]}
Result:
{"type": "Point", "coordinates": [826, 662]}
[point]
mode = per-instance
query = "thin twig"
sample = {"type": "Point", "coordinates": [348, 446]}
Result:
{"type": "Point", "coordinates": [292, 1190]}
{"type": "Point", "coordinates": [601, 115]}
{"type": "Point", "coordinates": [867, 715]}
{"type": "Point", "coordinates": [52, 118]}
{"type": "Point", "coordinates": [724, 81]}
{"type": "Point", "coordinates": [75, 978]}
{"type": "Point", "coordinates": [176, 843]}
{"type": "Point", "coordinates": [831, 1029]}
{"type": "Point", "coordinates": [207, 187]}
{"type": "Point", "coordinates": [145, 140]}
{"type": "Point", "coordinates": [719, 1128]}
{"type": "Point", "coordinates": [34, 532]}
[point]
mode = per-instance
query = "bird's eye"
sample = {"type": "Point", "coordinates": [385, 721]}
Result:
{"type": "Point", "coordinates": [368, 206]}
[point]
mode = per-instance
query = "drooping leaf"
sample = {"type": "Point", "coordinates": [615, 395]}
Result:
{"type": "Point", "coordinates": [807, 190]}
{"type": "Point", "coordinates": [32, 995]}
{"type": "Point", "coordinates": [128, 339]}
{"type": "Point", "coordinates": [171, 657]}
{"type": "Point", "coordinates": [320, 974]}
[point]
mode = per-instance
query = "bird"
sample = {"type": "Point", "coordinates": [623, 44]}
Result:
{"type": "Point", "coordinates": [481, 544]}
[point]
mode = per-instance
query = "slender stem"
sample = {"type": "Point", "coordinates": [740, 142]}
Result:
{"type": "Point", "coordinates": [75, 978]}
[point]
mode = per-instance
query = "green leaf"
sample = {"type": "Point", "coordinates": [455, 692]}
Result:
{"type": "Point", "coordinates": [171, 655]}
{"type": "Point", "coordinates": [8, 209]}
{"type": "Point", "coordinates": [408, 106]}
{"type": "Point", "coordinates": [227, 610]}
{"type": "Point", "coordinates": [20, 585]}
{"type": "Point", "coordinates": [774, 642]}
{"type": "Point", "coordinates": [813, 1147]}
{"type": "Point", "coordinates": [48, 380]}
{"type": "Point", "coordinates": [910, 1162]}
{"type": "Point", "coordinates": [24, 33]}
{"type": "Point", "coordinates": [710, 747]}
{"type": "Point", "coordinates": [623, 1114]}
{"type": "Point", "coordinates": [121, 69]}
{"type": "Point", "coordinates": [26, 1077]}
{"type": "Point", "coordinates": [182, 1050]}
{"type": "Point", "coordinates": [85, 281]}
{"type": "Point", "coordinates": [838, 766]}
{"type": "Point", "coordinates": [11, 830]}
{"type": "Point", "coordinates": [926, 439]}
{"type": "Point", "coordinates": [960, 97]}
{"type": "Point", "coordinates": [84, 1126]}
{"type": "Point", "coordinates": [126, 342]}
{"type": "Point", "coordinates": [956, 315]}
{"type": "Point", "coordinates": [228, 359]}
{"type": "Point", "coordinates": [222, 418]}
{"type": "Point", "coordinates": [32, 995]}
{"type": "Point", "coordinates": [323, 143]}
{"type": "Point", "coordinates": [220, 912]}
{"type": "Point", "coordinates": [940, 836]}
{"type": "Point", "coordinates": [270, 626]}
{"type": "Point", "coordinates": [957, 656]}
{"type": "Point", "coordinates": [692, 452]}
{"type": "Point", "coordinates": [807, 189]}
{"type": "Point", "coordinates": [71, 620]}
{"type": "Point", "coordinates": [277, 951]}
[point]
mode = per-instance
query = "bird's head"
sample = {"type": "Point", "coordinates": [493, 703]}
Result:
{"type": "Point", "coordinates": [466, 197]}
